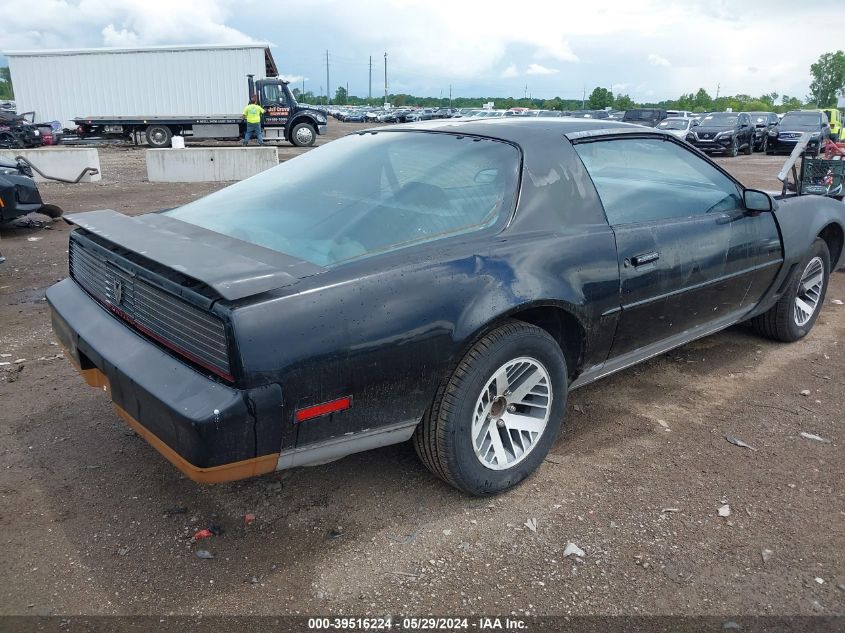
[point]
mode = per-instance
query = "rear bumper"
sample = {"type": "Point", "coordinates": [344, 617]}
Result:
{"type": "Point", "coordinates": [208, 430]}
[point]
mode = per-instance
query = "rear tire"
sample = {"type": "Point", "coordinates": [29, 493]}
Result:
{"type": "Point", "coordinates": [495, 418]}
{"type": "Point", "coordinates": [158, 136]}
{"type": "Point", "coordinates": [51, 211]}
{"type": "Point", "coordinates": [794, 315]}
{"type": "Point", "coordinates": [750, 149]}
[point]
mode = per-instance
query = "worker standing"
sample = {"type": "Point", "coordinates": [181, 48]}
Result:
{"type": "Point", "coordinates": [252, 114]}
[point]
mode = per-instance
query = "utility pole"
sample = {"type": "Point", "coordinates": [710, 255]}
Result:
{"type": "Point", "coordinates": [347, 92]}
{"type": "Point", "coordinates": [328, 91]}
{"type": "Point", "coordinates": [525, 94]}
{"type": "Point", "coordinates": [718, 87]}
{"type": "Point", "coordinates": [321, 94]}
{"type": "Point", "coordinates": [303, 85]}
{"type": "Point", "coordinates": [370, 90]}
{"type": "Point", "coordinates": [450, 96]}
{"type": "Point", "coordinates": [584, 98]}
{"type": "Point", "coordinates": [385, 76]}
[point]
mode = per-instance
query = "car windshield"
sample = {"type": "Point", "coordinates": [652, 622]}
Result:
{"type": "Point", "coordinates": [641, 114]}
{"type": "Point", "coordinates": [366, 194]}
{"type": "Point", "coordinates": [804, 118]}
{"type": "Point", "coordinates": [720, 118]}
{"type": "Point", "coordinates": [673, 125]}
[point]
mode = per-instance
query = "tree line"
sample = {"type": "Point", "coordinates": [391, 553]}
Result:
{"type": "Point", "coordinates": [828, 83]}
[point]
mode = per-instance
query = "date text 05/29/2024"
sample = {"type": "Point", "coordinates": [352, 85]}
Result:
{"type": "Point", "coordinates": [416, 624]}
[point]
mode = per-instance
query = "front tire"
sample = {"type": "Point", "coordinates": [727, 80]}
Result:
{"type": "Point", "coordinates": [795, 313]}
{"type": "Point", "coordinates": [495, 418]}
{"type": "Point", "coordinates": [303, 135]}
{"type": "Point", "coordinates": [733, 152]}
{"type": "Point", "coordinates": [750, 149]}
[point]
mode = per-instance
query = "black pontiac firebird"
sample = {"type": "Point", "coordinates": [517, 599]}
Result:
{"type": "Point", "coordinates": [448, 282]}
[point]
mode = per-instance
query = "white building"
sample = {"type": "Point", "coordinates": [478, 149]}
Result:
{"type": "Point", "coordinates": [60, 85]}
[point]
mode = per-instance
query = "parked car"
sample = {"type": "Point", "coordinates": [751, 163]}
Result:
{"type": "Point", "coordinates": [616, 116]}
{"type": "Point", "coordinates": [784, 136]}
{"type": "Point", "coordinates": [834, 119]}
{"type": "Point", "coordinates": [434, 291]}
{"type": "Point", "coordinates": [358, 116]}
{"type": "Point", "coordinates": [19, 194]}
{"type": "Point", "coordinates": [763, 122]}
{"type": "Point", "coordinates": [648, 117]}
{"type": "Point", "coordinates": [679, 127]}
{"type": "Point", "coordinates": [590, 114]}
{"type": "Point", "coordinates": [17, 131]}
{"type": "Point", "coordinates": [686, 114]}
{"type": "Point", "coordinates": [425, 114]}
{"type": "Point", "coordinates": [725, 133]}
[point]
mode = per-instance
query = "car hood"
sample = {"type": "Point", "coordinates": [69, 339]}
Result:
{"type": "Point", "coordinates": [797, 128]}
{"type": "Point", "coordinates": [243, 270]}
{"type": "Point", "coordinates": [714, 129]}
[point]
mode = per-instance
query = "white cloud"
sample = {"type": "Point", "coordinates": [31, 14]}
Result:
{"type": "Point", "coordinates": [537, 69]}
{"type": "Point", "coordinates": [292, 79]}
{"type": "Point", "coordinates": [432, 45]}
{"type": "Point", "coordinates": [657, 60]}
{"type": "Point", "coordinates": [39, 24]}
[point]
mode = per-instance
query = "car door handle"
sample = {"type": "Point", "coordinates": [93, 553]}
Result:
{"type": "Point", "coordinates": [645, 258]}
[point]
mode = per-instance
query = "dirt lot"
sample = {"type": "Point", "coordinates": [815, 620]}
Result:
{"type": "Point", "coordinates": [87, 521]}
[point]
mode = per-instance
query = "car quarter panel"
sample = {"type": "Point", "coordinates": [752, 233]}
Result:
{"type": "Point", "coordinates": [385, 330]}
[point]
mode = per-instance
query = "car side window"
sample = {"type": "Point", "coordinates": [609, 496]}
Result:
{"type": "Point", "coordinates": [646, 180]}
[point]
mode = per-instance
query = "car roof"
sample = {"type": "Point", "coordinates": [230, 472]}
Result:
{"type": "Point", "coordinates": [523, 129]}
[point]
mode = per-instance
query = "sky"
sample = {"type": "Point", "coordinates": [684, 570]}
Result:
{"type": "Point", "coordinates": [649, 50]}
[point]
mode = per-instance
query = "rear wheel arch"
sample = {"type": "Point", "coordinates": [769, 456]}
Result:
{"type": "Point", "coordinates": [563, 326]}
{"type": "Point", "coordinates": [834, 237]}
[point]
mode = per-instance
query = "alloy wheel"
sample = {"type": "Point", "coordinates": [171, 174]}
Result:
{"type": "Point", "coordinates": [511, 413]}
{"type": "Point", "coordinates": [809, 291]}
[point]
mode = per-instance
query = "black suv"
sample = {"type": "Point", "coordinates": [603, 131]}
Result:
{"type": "Point", "coordinates": [786, 134]}
{"type": "Point", "coordinates": [726, 133]}
{"type": "Point", "coordinates": [649, 117]}
{"type": "Point", "coordinates": [763, 122]}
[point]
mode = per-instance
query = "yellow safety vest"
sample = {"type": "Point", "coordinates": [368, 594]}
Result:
{"type": "Point", "coordinates": [253, 113]}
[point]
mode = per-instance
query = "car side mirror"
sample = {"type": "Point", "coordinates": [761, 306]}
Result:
{"type": "Point", "coordinates": [755, 200]}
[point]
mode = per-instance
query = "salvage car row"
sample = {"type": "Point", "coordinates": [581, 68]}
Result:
{"type": "Point", "coordinates": [729, 133]}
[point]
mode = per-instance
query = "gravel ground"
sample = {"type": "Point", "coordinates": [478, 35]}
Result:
{"type": "Point", "coordinates": [94, 521]}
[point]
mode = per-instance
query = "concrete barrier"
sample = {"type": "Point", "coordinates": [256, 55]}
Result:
{"type": "Point", "coordinates": [62, 162]}
{"type": "Point", "coordinates": [209, 164]}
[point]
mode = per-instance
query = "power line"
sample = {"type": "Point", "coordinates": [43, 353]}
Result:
{"type": "Point", "coordinates": [328, 91]}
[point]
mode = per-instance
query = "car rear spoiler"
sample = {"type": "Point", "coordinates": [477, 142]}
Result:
{"type": "Point", "coordinates": [231, 267]}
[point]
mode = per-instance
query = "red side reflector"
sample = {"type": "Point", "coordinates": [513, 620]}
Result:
{"type": "Point", "coordinates": [323, 409]}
